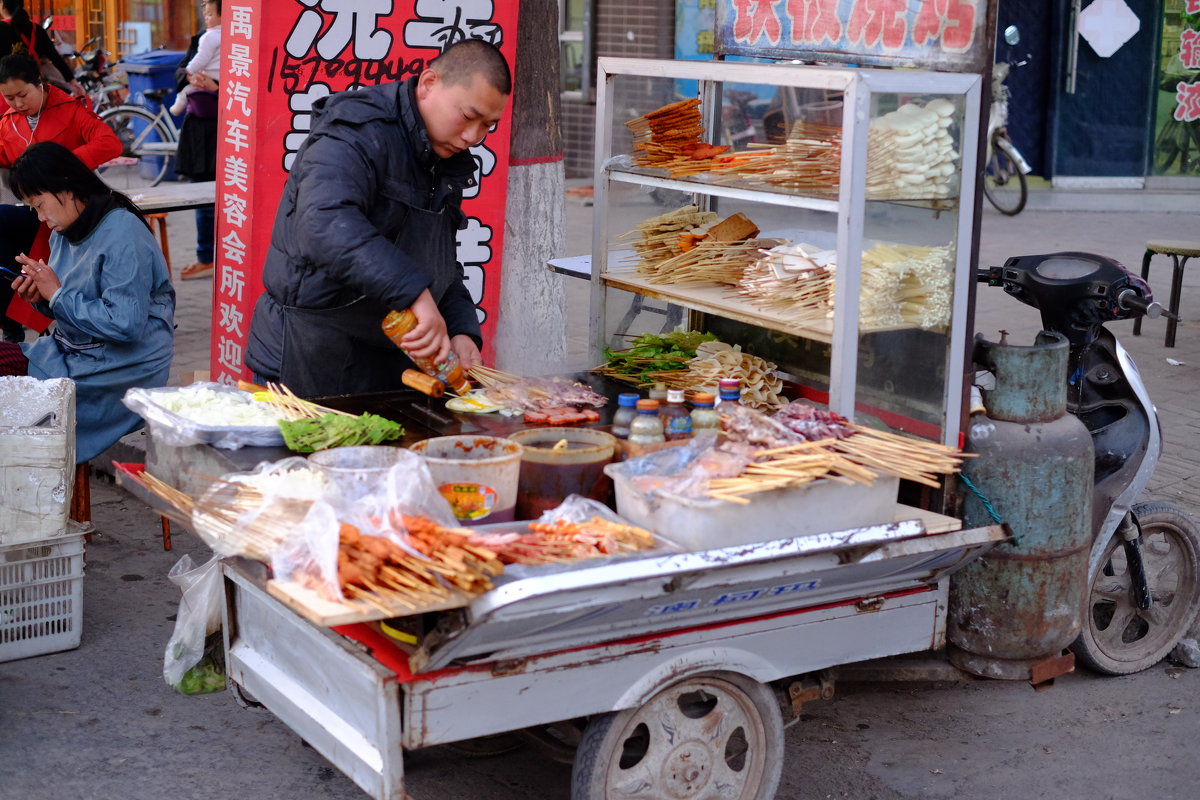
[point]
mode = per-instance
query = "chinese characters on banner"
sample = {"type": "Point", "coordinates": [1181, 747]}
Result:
{"type": "Point", "coordinates": [1187, 95]}
{"type": "Point", "coordinates": [938, 33]}
{"type": "Point", "coordinates": [274, 67]}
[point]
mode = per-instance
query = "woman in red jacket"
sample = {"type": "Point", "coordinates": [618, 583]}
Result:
{"type": "Point", "coordinates": [39, 112]}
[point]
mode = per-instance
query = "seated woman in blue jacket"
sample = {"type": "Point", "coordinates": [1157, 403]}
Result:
{"type": "Point", "coordinates": [106, 287]}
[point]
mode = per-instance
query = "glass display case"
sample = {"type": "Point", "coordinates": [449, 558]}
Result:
{"type": "Point", "coordinates": [858, 185]}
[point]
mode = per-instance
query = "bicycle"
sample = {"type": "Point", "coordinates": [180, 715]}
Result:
{"type": "Point", "coordinates": [149, 143]}
{"type": "Point", "coordinates": [1004, 182]}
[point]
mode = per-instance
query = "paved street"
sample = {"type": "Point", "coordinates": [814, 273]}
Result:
{"type": "Point", "coordinates": [98, 722]}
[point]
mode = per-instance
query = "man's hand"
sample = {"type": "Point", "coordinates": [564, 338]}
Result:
{"type": "Point", "coordinates": [467, 352]}
{"type": "Point", "coordinates": [429, 339]}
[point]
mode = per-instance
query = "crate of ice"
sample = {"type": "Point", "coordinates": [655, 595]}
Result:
{"type": "Point", "coordinates": [37, 457]}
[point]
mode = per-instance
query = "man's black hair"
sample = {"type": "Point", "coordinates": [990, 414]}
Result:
{"type": "Point", "coordinates": [462, 60]}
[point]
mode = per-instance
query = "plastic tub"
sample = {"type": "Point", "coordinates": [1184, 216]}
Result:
{"type": "Point", "coordinates": [358, 469]}
{"type": "Point", "coordinates": [477, 475]}
{"type": "Point", "coordinates": [705, 524]}
{"type": "Point", "coordinates": [41, 590]}
{"type": "Point", "coordinates": [548, 475]}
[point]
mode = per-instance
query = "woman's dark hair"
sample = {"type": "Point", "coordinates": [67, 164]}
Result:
{"type": "Point", "coordinates": [50, 168]}
{"type": "Point", "coordinates": [21, 67]}
{"type": "Point", "coordinates": [20, 17]}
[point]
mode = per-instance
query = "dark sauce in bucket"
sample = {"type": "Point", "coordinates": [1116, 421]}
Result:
{"type": "Point", "coordinates": [547, 480]}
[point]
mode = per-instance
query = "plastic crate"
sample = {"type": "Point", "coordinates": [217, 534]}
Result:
{"type": "Point", "coordinates": [41, 597]}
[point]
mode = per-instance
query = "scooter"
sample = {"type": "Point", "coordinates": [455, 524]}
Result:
{"type": "Point", "coordinates": [1144, 569]}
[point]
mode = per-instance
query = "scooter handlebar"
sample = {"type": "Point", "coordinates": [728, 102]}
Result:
{"type": "Point", "coordinates": [1130, 300]}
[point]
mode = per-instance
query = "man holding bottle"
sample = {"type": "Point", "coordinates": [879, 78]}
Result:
{"type": "Point", "coordinates": [367, 224]}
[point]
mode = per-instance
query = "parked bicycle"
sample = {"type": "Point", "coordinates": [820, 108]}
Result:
{"type": "Point", "coordinates": [101, 87]}
{"type": "Point", "coordinates": [148, 143]}
{"type": "Point", "coordinates": [1004, 171]}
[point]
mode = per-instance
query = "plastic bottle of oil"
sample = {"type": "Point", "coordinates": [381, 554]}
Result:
{"type": "Point", "coordinates": [450, 372]}
{"type": "Point", "coordinates": [646, 427]}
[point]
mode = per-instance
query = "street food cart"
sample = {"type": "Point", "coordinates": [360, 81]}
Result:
{"type": "Point", "coordinates": [703, 643]}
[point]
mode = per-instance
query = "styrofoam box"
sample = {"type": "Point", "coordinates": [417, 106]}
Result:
{"type": "Point", "coordinates": [37, 461]}
{"type": "Point", "coordinates": [41, 596]}
{"type": "Point", "coordinates": [706, 524]}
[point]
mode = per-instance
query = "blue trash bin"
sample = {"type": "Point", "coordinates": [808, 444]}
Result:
{"type": "Point", "coordinates": [154, 69]}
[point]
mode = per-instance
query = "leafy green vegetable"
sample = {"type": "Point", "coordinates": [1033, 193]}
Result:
{"type": "Point", "coordinates": [651, 353]}
{"type": "Point", "coordinates": [337, 430]}
{"type": "Point", "coordinates": [208, 674]}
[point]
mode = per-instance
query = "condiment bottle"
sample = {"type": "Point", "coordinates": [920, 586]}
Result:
{"type": "Point", "coordinates": [646, 427]}
{"type": "Point", "coordinates": [677, 422]}
{"type": "Point", "coordinates": [658, 392]}
{"type": "Point", "coordinates": [450, 372]}
{"type": "Point", "coordinates": [731, 391]}
{"type": "Point", "coordinates": [626, 411]}
{"type": "Point", "coordinates": [706, 421]}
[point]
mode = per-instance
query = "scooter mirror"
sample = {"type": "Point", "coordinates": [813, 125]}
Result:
{"type": "Point", "coordinates": [1012, 35]}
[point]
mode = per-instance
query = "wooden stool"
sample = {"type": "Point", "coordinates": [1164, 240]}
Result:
{"type": "Point", "coordinates": [161, 221]}
{"type": "Point", "coordinates": [81, 503]}
{"type": "Point", "coordinates": [1179, 252]}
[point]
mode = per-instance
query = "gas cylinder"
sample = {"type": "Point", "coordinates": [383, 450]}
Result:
{"type": "Point", "coordinates": [1023, 602]}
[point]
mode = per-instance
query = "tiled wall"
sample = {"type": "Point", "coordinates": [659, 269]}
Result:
{"type": "Point", "coordinates": [628, 28]}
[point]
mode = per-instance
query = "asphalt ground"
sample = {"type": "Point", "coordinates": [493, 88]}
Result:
{"type": "Point", "coordinates": [98, 722]}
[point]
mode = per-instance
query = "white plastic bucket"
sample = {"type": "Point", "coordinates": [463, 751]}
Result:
{"type": "Point", "coordinates": [477, 475]}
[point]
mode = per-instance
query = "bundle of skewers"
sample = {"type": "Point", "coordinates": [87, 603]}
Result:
{"type": "Point", "coordinates": [670, 138]}
{"type": "Point", "coordinates": [795, 282]}
{"type": "Point", "coordinates": [907, 285]}
{"type": "Point", "coordinates": [808, 161]}
{"type": "Point", "coordinates": [561, 541]}
{"type": "Point", "coordinates": [662, 237]}
{"type": "Point", "coordinates": [802, 443]}
{"type": "Point", "coordinates": [436, 561]}
{"type": "Point", "coordinates": [543, 400]}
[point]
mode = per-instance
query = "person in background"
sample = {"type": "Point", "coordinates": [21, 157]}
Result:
{"type": "Point", "coordinates": [367, 224]}
{"type": "Point", "coordinates": [37, 42]}
{"type": "Point", "coordinates": [39, 112]}
{"type": "Point", "coordinates": [207, 57]}
{"type": "Point", "coordinates": [196, 158]}
{"type": "Point", "coordinates": [107, 288]}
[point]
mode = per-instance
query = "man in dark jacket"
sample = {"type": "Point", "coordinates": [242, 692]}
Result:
{"type": "Point", "coordinates": [367, 224]}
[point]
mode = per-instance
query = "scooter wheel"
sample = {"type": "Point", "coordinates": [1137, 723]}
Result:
{"type": "Point", "coordinates": [1118, 638]}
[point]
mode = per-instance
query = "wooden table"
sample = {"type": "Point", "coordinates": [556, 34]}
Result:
{"type": "Point", "coordinates": [173, 196]}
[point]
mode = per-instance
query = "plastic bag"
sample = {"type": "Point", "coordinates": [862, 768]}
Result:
{"type": "Point", "coordinates": [193, 662]}
{"type": "Point", "coordinates": [682, 471]}
{"type": "Point", "coordinates": [309, 555]}
{"type": "Point", "coordinates": [177, 430]}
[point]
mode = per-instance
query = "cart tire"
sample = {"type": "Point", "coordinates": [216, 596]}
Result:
{"type": "Point", "coordinates": [718, 735]}
{"type": "Point", "coordinates": [1118, 638]}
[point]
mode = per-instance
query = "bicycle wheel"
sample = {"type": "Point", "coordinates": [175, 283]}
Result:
{"type": "Point", "coordinates": [147, 148]}
{"type": "Point", "coordinates": [1003, 181]}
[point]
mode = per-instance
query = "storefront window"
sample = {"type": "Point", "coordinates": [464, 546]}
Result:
{"type": "Point", "coordinates": [1177, 123]}
{"type": "Point", "coordinates": [574, 43]}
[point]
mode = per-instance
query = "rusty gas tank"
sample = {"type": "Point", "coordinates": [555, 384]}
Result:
{"type": "Point", "coordinates": [1023, 602]}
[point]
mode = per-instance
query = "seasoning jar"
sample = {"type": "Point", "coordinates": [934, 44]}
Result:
{"type": "Point", "coordinates": [730, 391]}
{"type": "Point", "coordinates": [646, 427]}
{"type": "Point", "coordinates": [706, 421]}
{"type": "Point", "coordinates": [626, 411]}
{"type": "Point", "coordinates": [677, 422]}
{"type": "Point", "coordinates": [450, 372]}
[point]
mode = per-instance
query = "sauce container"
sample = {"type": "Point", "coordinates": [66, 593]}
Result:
{"type": "Point", "coordinates": [476, 474]}
{"type": "Point", "coordinates": [550, 471]}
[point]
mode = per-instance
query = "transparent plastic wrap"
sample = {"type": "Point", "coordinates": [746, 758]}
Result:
{"type": "Point", "coordinates": [205, 413]}
{"type": "Point", "coordinates": [685, 471]}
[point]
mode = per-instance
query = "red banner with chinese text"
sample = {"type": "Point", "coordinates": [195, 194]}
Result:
{"type": "Point", "coordinates": [274, 66]}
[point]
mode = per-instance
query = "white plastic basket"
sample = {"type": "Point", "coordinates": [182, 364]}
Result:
{"type": "Point", "coordinates": [41, 597]}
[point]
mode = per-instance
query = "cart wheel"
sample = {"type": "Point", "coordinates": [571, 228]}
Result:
{"type": "Point", "coordinates": [1118, 638]}
{"type": "Point", "coordinates": [706, 737]}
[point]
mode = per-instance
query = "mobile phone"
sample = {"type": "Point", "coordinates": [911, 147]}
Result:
{"type": "Point", "coordinates": [12, 275]}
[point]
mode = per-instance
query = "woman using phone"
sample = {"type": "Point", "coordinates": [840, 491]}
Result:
{"type": "Point", "coordinates": [106, 287]}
